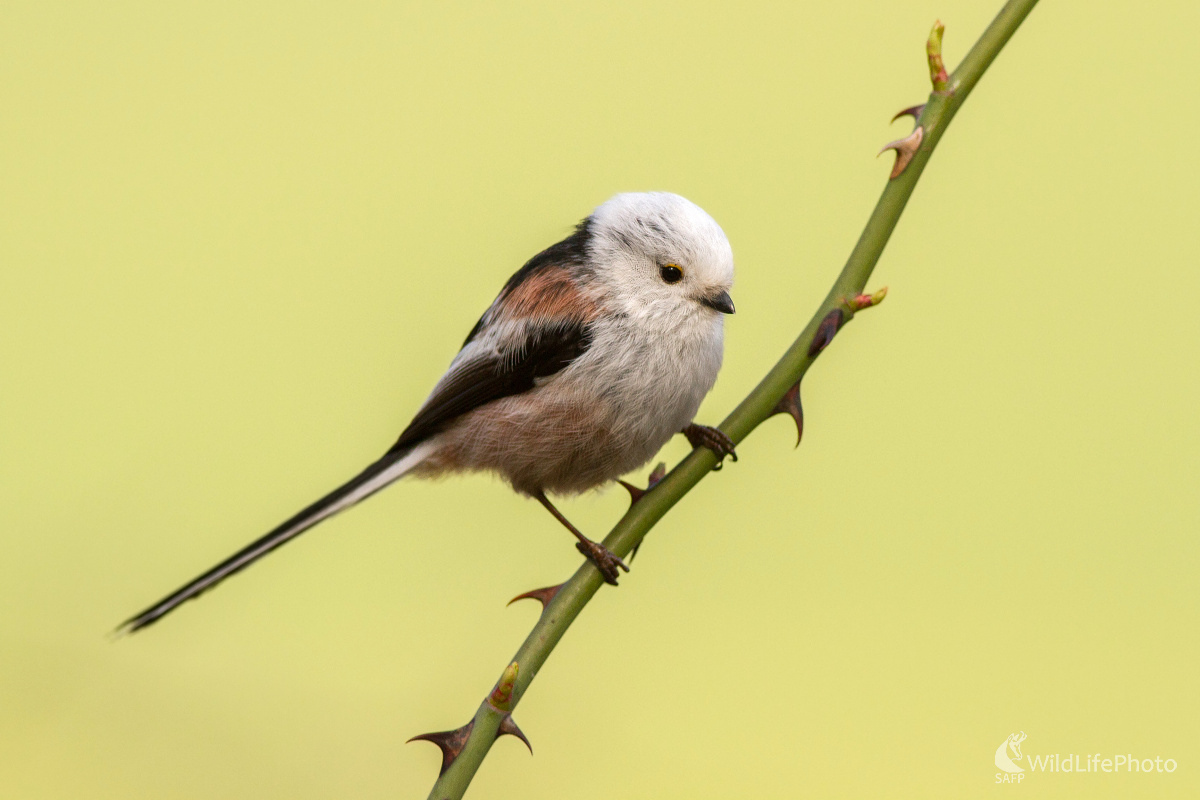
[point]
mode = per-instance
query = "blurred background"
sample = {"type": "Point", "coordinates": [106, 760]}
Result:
{"type": "Point", "coordinates": [240, 241]}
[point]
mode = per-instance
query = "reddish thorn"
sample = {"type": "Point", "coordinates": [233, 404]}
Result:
{"type": "Point", "coordinates": [508, 727]}
{"type": "Point", "coordinates": [657, 474]}
{"type": "Point", "coordinates": [543, 595]}
{"type": "Point", "coordinates": [449, 742]}
{"type": "Point", "coordinates": [826, 331]}
{"type": "Point", "coordinates": [911, 111]}
{"type": "Point", "coordinates": [635, 493]}
{"type": "Point", "coordinates": [790, 404]}
{"type": "Point", "coordinates": [905, 149]}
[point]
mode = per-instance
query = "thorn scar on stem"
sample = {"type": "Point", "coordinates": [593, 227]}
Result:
{"type": "Point", "coordinates": [828, 328]}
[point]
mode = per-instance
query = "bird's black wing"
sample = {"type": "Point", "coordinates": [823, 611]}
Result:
{"type": "Point", "coordinates": [545, 350]}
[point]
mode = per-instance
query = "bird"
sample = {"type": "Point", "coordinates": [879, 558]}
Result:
{"type": "Point", "coordinates": [593, 355]}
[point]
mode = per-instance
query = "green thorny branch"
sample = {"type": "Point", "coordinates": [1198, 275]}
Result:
{"type": "Point", "coordinates": [463, 750]}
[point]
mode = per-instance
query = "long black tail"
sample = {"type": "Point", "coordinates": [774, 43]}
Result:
{"type": "Point", "coordinates": [365, 484]}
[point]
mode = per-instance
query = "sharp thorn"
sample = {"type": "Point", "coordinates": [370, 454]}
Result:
{"type": "Point", "coordinates": [790, 404]}
{"type": "Point", "coordinates": [449, 742]}
{"type": "Point", "coordinates": [826, 331]}
{"type": "Point", "coordinates": [911, 111]}
{"type": "Point", "coordinates": [509, 728]}
{"type": "Point", "coordinates": [905, 149]}
{"type": "Point", "coordinates": [543, 595]}
{"type": "Point", "coordinates": [657, 474]}
{"type": "Point", "coordinates": [635, 494]}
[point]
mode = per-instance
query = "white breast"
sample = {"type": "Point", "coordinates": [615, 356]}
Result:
{"type": "Point", "coordinates": [651, 379]}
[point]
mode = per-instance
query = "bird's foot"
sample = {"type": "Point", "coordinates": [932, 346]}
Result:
{"type": "Point", "coordinates": [712, 438]}
{"type": "Point", "coordinates": [603, 558]}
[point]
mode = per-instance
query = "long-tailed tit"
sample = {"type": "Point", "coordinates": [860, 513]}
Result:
{"type": "Point", "coordinates": [594, 354]}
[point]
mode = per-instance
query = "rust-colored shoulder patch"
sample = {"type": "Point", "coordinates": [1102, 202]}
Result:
{"type": "Point", "coordinates": [548, 294]}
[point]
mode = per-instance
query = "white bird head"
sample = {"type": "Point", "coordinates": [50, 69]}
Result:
{"type": "Point", "coordinates": [660, 255]}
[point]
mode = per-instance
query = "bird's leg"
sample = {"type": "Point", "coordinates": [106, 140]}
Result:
{"type": "Point", "coordinates": [597, 553]}
{"type": "Point", "coordinates": [712, 438]}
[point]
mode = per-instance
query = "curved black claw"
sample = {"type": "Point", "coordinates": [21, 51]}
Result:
{"type": "Point", "coordinates": [604, 560]}
{"type": "Point", "coordinates": [712, 438]}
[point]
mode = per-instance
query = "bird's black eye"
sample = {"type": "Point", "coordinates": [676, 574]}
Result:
{"type": "Point", "coordinates": [670, 273]}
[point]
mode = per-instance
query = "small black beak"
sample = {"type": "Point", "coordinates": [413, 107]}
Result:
{"type": "Point", "coordinates": [720, 302]}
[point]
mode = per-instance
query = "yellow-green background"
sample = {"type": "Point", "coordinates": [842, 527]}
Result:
{"type": "Point", "coordinates": [239, 242]}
